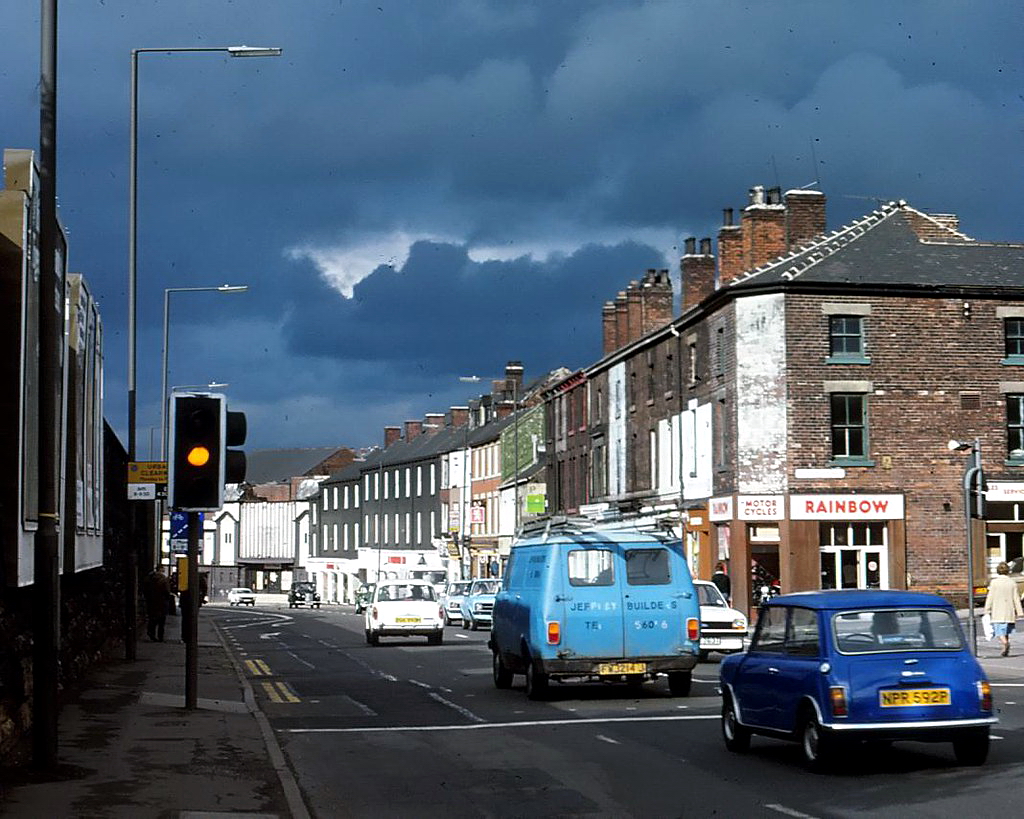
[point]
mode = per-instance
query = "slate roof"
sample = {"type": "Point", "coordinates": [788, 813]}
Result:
{"type": "Point", "coordinates": [885, 249]}
{"type": "Point", "coordinates": [280, 465]}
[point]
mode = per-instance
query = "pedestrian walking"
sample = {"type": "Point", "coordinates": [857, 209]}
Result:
{"type": "Point", "coordinates": [721, 580]}
{"type": "Point", "coordinates": [156, 589]}
{"type": "Point", "coordinates": [1002, 605]}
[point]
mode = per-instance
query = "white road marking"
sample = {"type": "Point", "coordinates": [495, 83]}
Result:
{"type": "Point", "coordinates": [464, 711]}
{"type": "Point", "coordinates": [304, 662]}
{"type": "Point", "coordinates": [500, 725]}
{"type": "Point", "coordinates": [789, 811]}
{"type": "Point", "coordinates": [608, 739]}
{"type": "Point", "coordinates": [366, 709]}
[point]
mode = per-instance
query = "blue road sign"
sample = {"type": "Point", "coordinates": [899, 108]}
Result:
{"type": "Point", "coordinates": [179, 531]}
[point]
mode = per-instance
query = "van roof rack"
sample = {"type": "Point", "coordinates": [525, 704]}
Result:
{"type": "Point", "coordinates": [555, 524]}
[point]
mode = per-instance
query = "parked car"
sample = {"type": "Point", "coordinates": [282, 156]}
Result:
{"type": "Point", "coordinates": [241, 597]}
{"type": "Point", "coordinates": [404, 608]}
{"type": "Point", "coordinates": [363, 596]}
{"type": "Point", "coordinates": [614, 605]}
{"type": "Point", "coordinates": [303, 593]}
{"type": "Point", "coordinates": [452, 600]}
{"type": "Point", "coordinates": [829, 668]}
{"type": "Point", "coordinates": [477, 604]}
{"type": "Point", "coordinates": [722, 629]}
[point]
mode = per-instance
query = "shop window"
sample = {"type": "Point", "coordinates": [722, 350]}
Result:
{"type": "Point", "coordinates": [854, 556]}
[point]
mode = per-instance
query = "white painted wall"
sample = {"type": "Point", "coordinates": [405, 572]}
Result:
{"type": "Point", "coordinates": [617, 414]}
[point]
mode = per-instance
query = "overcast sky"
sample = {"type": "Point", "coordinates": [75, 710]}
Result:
{"type": "Point", "coordinates": [419, 190]}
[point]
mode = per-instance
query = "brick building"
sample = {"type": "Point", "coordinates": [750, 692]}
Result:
{"type": "Point", "coordinates": [794, 416]}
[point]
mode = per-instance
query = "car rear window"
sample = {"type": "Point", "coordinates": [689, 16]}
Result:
{"type": "Point", "coordinates": [878, 630]}
{"type": "Point", "coordinates": [403, 592]}
{"type": "Point", "coordinates": [591, 567]}
{"type": "Point", "coordinates": [647, 567]}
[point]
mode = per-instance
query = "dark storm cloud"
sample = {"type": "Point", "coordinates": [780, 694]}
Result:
{"type": "Point", "coordinates": [515, 163]}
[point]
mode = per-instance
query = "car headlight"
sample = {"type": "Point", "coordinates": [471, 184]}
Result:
{"type": "Point", "coordinates": [478, 607]}
{"type": "Point", "coordinates": [740, 624]}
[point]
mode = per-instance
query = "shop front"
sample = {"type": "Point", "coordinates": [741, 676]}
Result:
{"type": "Point", "coordinates": [783, 543]}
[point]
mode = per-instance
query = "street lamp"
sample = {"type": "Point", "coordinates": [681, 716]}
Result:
{"type": "Point", "coordinates": [469, 379]}
{"type": "Point", "coordinates": [234, 51]}
{"type": "Point", "coordinates": [224, 288]}
{"type": "Point", "coordinates": [974, 480]}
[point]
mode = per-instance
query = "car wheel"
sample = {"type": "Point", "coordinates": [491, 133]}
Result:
{"type": "Point", "coordinates": [435, 639]}
{"type": "Point", "coordinates": [473, 625]}
{"type": "Point", "coordinates": [737, 738]}
{"type": "Point", "coordinates": [536, 682]}
{"type": "Point", "coordinates": [447, 619]}
{"type": "Point", "coordinates": [502, 675]}
{"type": "Point", "coordinates": [466, 623]}
{"type": "Point", "coordinates": [704, 656]}
{"type": "Point", "coordinates": [971, 747]}
{"type": "Point", "coordinates": [372, 639]}
{"type": "Point", "coordinates": [815, 743]}
{"type": "Point", "coordinates": [679, 683]}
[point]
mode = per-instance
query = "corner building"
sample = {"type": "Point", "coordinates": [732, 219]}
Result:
{"type": "Point", "coordinates": [793, 419]}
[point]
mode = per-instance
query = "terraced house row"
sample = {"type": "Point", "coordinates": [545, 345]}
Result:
{"type": "Point", "coordinates": [791, 418]}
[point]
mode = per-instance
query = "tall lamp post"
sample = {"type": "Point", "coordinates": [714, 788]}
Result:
{"type": "Point", "coordinates": [973, 485]}
{"type": "Point", "coordinates": [470, 379]}
{"type": "Point", "coordinates": [234, 51]}
{"type": "Point", "coordinates": [224, 288]}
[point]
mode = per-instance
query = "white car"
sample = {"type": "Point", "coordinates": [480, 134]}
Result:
{"type": "Point", "coordinates": [452, 600]}
{"type": "Point", "coordinates": [241, 597]}
{"type": "Point", "coordinates": [404, 608]}
{"type": "Point", "coordinates": [722, 628]}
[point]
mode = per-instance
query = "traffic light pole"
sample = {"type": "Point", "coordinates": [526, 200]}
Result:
{"type": "Point", "coordinates": [191, 612]}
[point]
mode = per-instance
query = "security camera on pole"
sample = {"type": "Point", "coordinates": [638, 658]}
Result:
{"type": "Point", "coordinates": [201, 430]}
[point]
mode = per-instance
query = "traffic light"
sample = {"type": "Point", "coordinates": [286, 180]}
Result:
{"type": "Point", "coordinates": [196, 469]}
{"type": "Point", "coordinates": [234, 435]}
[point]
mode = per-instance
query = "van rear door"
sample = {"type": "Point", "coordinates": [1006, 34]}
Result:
{"type": "Point", "coordinates": [657, 599]}
{"type": "Point", "coordinates": [592, 625]}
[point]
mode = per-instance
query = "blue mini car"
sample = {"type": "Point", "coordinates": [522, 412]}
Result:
{"type": "Point", "coordinates": [829, 668]}
{"type": "Point", "coordinates": [478, 603]}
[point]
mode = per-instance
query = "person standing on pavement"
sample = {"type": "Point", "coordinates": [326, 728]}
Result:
{"type": "Point", "coordinates": [721, 580]}
{"type": "Point", "coordinates": [156, 590]}
{"type": "Point", "coordinates": [1002, 605]}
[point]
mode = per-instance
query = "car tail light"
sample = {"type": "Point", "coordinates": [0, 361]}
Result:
{"type": "Point", "coordinates": [373, 613]}
{"type": "Point", "coordinates": [837, 695]}
{"type": "Point", "coordinates": [554, 633]}
{"type": "Point", "coordinates": [985, 695]}
{"type": "Point", "coordinates": [693, 628]}
{"type": "Point", "coordinates": [440, 612]}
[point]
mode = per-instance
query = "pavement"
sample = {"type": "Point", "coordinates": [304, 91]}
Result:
{"type": "Point", "coordinates": [127, 747]}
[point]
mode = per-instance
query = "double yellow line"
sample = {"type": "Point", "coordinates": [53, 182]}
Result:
{"type": "Point", "coordinates": [276, 691]}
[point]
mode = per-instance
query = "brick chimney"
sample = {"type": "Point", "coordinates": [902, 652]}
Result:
{"type": "Point", "coordinates": [764, 227]}
{"type": "Point", "coordinates": [459, 416]}
{"type": "Point", "coordinates": [634, 312]}
{"type": "Point", "coordinates": [503, 409]}
{"type": "Point", "coordinates": [412, 430]}
{"type": "Point", "coordinates": [514, 375]}
{"type": "Point", "coordinates": [608, 329]}
{"type": "Point", "coordinates": [392, 434]}
{"type": "Point", "coordinates": [805, 216]}
{"type": "Point", "coordinates": [730, 249]}
{"type": "Point", "coordinates": [621, 321]}
{"type": "Point", "coordinates": [433, 422]}
{"type": "Point", "coordinates": [656, 299]}
{"type": "Point", "coordinates": [698, 272]}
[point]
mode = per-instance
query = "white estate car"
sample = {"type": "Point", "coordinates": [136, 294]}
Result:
{"type": "Point", "coordinates": [403, 608]}
{"type": "Point", "coordinates": [241, 597]}
{"type": "Point", "coordinates": [722, 628]}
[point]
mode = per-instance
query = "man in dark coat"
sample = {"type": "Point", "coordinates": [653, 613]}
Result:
{"type": "Point", "coordinates": [156, 591]}
{"type": "Point", "coordinates": [721, 580]}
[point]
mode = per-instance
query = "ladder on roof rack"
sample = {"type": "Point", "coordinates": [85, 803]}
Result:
{"type": "Point", "coordinates": [557, 524]}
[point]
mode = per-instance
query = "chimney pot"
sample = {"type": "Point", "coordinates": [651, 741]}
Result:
{"type": "Point", "coordinates": [727, 217]}
{"type": "Point", "coordinates": [690, 246]}
{"type": "Point", "coordinates": [705, 246]}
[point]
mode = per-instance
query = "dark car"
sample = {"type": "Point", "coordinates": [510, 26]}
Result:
{"type": "Point", "coordinates": [303, 593]}
{"type": "Point", "coordinates": [827, 669]}
{"type": "Point", "coordinates": [364, 594]}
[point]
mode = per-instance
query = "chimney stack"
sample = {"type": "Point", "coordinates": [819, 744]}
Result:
{"type": "Point", "coordinates": [730, 249]}
{"type": "Point", "coordinates": [514, 378]}
{"type": "Point", "coordinates": [412, 430]}
{"type": "Point", "coordinates": [634, 312]}
{"type": "Point", "coordinates": [698, 272]}
{"type": "Point", "coordinates": [459, 416]}
{"type": "Point", "coordinates": [608, 329]}
{"type": "Point", "coordinates": [805, 217]}
{"type": "Point", "coordinates": [391, 435]}
{"type": "Point", "coordinates": [656, 300]}
{"type": "Point", "coordinates": [503, 409]}
{"type": "Point", "coordinates": [764, 227]}
{"type": "Point", "coordinates": [433, 422]}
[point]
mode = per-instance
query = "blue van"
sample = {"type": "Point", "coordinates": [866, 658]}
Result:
{"type": "Point", "coordinates": [615, 605]}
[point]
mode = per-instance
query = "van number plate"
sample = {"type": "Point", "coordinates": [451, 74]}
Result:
{"type": "Point", "coordinates": [914, 696]}
{"type": "Point", "coordinates": [622, 668]}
